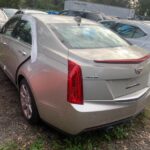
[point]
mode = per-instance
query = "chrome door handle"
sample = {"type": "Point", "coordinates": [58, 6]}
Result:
{"type": "Point", "coordinates": [4, 43]}
{"type": "Point", "coordinates": [23, 53]}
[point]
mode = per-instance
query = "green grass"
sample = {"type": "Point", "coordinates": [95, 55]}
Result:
{"type": "Point", "coordinates": [9, 146]}
{"type": "Point", "coordinates": [93, 140]}
{"type": "Point", "coordinates": [38, 144]}
{"type": "Point", "coordinates": [87, 141]}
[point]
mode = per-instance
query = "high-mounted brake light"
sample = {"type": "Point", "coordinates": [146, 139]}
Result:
{"type": "Point", "coordinates": [124, 61]}
{"type": "Point", "coordinates": [75, 83]}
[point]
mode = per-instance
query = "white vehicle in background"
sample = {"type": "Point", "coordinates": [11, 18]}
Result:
{"type": "Point", "coordinates": [29, 11]}
{"type": "Point", "coordinates": [136, 32]}
{"type": "Point", "coordinates": [5, 14]}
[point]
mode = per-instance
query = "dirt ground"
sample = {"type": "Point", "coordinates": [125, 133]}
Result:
{"type": "Point", "coordinates": [13, 127]}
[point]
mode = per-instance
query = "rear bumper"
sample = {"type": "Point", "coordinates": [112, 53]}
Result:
{"type": "Point", "coordinates": [96, 114]}
{"type": "Point", "coordinates": [73, 119]}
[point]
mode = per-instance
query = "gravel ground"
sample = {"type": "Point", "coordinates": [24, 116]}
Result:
{"type": "Point", "coordinates": [13, 127]}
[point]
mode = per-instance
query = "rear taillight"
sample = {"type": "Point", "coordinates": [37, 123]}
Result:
{"type": "Point", "coordinates": [75, 83]}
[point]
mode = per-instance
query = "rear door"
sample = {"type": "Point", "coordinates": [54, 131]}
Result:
{"type": "Point", "coordinates": [4, 40]}
{"type": "Point", "coordinates": [18, 47]}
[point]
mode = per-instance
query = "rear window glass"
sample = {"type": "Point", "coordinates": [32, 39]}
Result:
{"type": "Point", "coordinates": [87, 36]}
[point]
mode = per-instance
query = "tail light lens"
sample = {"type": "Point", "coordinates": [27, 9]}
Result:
{"type": "Point", "coordinates": [75, 85]}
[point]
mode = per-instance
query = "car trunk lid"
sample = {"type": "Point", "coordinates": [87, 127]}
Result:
{"type": "Point", "coordinates": [111, 73]}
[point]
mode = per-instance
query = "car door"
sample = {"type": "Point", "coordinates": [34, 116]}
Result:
{"type": "Point", "coordinates": [18, 47]}
{"type": "Point", "coordinates": [5, 35]}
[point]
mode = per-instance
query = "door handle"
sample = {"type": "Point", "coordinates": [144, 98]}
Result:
{"type": "Point", "coordinates": [4, 43]}
{"type": "Point", "coordinates": [23, 53]}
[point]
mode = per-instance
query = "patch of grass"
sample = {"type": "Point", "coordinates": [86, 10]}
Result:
{"type": "Point", "coordinates": [117, 133]}
{"type": "Point", "coordinates": [11, 145]}
{"type": "Point", "coordinates": [80, 142]}
{"type": "Point", "coordinates": [146, 113]}
{"type": "Point", "coordinates": [37, 145]}
{"type": "Point", "coordinates": [93, 140]}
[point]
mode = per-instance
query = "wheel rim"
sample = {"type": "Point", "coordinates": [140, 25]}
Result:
{"type": "Point", "coordinates": [25, 101]}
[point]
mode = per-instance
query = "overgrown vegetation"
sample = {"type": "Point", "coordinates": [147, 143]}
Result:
{"type": "Point", "coordinates": [10, 145]}
{"type": "Point", "coordinates": [94, 140]}
{"type": "Point", "coordinates": [36, 4]}
{"type": "Point", "coordinates": [87, 141]}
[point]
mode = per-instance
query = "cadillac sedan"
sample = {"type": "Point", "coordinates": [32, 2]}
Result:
{"type": "Point", "coordinates": [73, 73]}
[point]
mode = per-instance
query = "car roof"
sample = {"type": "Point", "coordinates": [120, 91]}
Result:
{"type": "Point", "coordinates": [31, 11]}
{"type": "Point", "coordinates": [50, 19]}
{"type": "Point", "coordinates": [81, 11]}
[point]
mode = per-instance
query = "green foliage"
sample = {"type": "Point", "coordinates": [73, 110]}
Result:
{"type": "Point", "coordinates": [75, 143]}
{"type": "Point", "coordinates": [9, 146]}
{"type": "Point", "coordinates": [118, 133]}
{"type": "Point", "coordinates": [91, 140]}
{"type": "Point", "coordinates": [37, 4]}
{"type": "Point", "coordinates": [121, 3]}
{"type": "Point", "coordinates": [37, 145]}
{"type": "Point", "coordinates": [143, 7]}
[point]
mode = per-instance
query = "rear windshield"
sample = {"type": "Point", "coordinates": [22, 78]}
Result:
{"type": "Point", "coordinates": [87, 36]}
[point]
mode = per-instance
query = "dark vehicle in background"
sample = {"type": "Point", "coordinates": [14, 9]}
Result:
{"type": "Point", "coordinates": [5, 14]}
{"type": "Point", "coordinates": [95, 16]}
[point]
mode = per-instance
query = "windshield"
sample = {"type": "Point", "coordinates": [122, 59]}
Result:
{"type": "Point", "coordinates": [10, 12]}
{"type": "Point", "coordinates": [87, 36]}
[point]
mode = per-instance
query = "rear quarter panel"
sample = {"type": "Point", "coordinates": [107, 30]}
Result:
{"type": "Point", "coordinates": [47, 76]}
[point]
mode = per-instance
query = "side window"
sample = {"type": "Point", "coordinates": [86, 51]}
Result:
{"type": "Point", "coordinates": [125, 30]}
{"type": "Point", "coordinates": [139, 33]}
{"type": "Point", "coordinates": [23, 32]}
{"type": "Point", "coordinates": [92, 16]}
{"type": "Point", "coordinates": [9, 27]}
{"type": "Point", "coordinates": [108, 24]}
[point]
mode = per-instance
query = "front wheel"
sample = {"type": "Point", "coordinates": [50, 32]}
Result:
{"type": "Point", "coordinates": [28, 105]}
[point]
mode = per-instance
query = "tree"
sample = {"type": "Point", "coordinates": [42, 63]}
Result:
{"type": "Point", "coordinates": [143, 7]}
{"type": "Point", "coordinates": [9, 3]}
{"type": "Point", "coordinates": [121, 3]}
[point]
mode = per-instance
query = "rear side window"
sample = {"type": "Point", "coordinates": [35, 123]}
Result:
{"type": "Point", "coordinates": [23, 32]}
{"type": "Point", "coordinates": [9, 27]}
{"type": "Point", "coordinates": [125, 30]}
{"type": "Point", "coordinates": [128, 31]}
{"type": "Point", "coordinates": [139, 33]}
{"type": "Point", "coordinates": [93, 16]}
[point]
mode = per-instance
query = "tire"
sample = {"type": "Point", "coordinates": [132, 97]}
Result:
{"type": "Point", "coordinates": [28, 105]}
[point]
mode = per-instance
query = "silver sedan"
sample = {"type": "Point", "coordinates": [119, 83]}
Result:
{"type": "Point", "coordinates": [73, 73]}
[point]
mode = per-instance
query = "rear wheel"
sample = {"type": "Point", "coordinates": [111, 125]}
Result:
{"type": "Point", "coordinates": [27, 101]}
